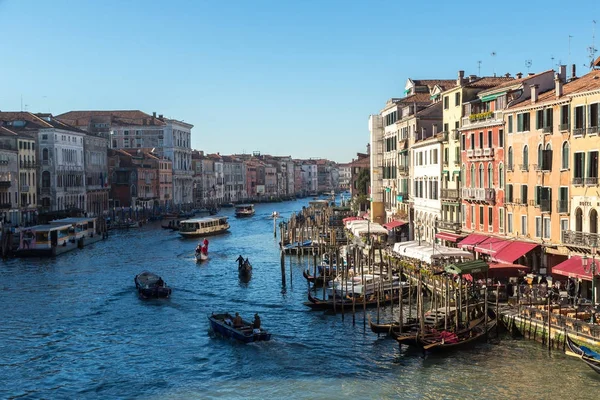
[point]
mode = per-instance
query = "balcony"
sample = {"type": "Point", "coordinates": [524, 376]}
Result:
{"type": "Point", "coordinates": [545, 206]}
{"type": "Point", "coordinates": [524, 167]}
{"type": "Point", "coordinates": [45, 190]}
{"type": "Point", "coordinates": [5, 206]}
{"type": "Point", "coordinates": [24, 188]}
{"type": "Point", "coordinates": [537, 167]}
{"type": "Point", "coordinates": [403, 169]}
{"type": "Point", "coordinates": [445, 163]}
{"type": "Point", "coordinates": [547, 129]}
{"type": "Point", "coordinates": [404, 196]}
{"type": "Point", "coordinates": [450, 226]}
{"type": "Point", "coordinates": [455, 134]}
{"type": "Point", "coordinates": [4, 184]}
{"type": "Point", "coordinates": [468, 193]}
{"type": "Point", "coordinates": [577, 238]}
{"type": "Point", "coordinates": [480, 119]}
{"type": "Point", "coordinates": [509, 168]}
{"type": "Point", "coordinates": [456, 161]}
{"type": "Point", "coordinates": [578, 181]}
{"type": "Point", "coordinates": [562, 206]}
{"type": "Point", "coordinates": [450, 194]}
{"type": "Point", "coordinates": [563, 127]}
{"type": "Point", "coordinates": [579, 132]}
{"type": "Point", "coordinates": [489, 152]}
{"type": "Point", "coordinates": [517, 201]}
{"type": "Point", "coordinates": [592, 130]}
{"type": "Point", "coordinates": [478, 152]}
{"type": "Point", "coordinates": [443, 136]}
{"type": "Point", "coordinates": [591, 181]}
{"type": "Point", "coordinates": [27, 164]}
{"type": "Point", "coordinates": [470, 153]}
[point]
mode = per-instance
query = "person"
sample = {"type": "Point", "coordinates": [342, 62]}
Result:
{"type": "Point", "coordinates": [237, 321]}
{"type": "Point", "coordinates": [160, 282]}
{"type": "Point", "coordinates": [256, 324]}
{"type": "Point", "coordinates": [198, 248]}
{"type": "Point", "coordinates": [240, 261]}
{"type": "Point", "coordinates": [246, 262]}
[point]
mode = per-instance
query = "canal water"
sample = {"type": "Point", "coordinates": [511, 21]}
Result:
{"type": "Point", "coordinates": [73, 327]}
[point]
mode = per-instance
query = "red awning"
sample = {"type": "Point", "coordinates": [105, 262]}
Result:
{"type": "Point", "coordinates": [514, 250]}
{"type": "Point", "coordinates": [350, 219]}
{"type": "Point", "coordinates": [573, 268]}
{"type": "Point", "coordinates": [508, 266]}
{"type": "Point", "coordinates": [470, 241]}
{"type": "Point", "coordinates": [451, 237]}
{"type": "Point", "coordinates": [393, 224]}
{"type": "Point", "coordinates": [491, 245]}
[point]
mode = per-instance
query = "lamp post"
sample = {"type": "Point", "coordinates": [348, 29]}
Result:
{"type": "Point", "coordinates": [591, 268]}
{"type": "Point", "coordinates": [418, 227]}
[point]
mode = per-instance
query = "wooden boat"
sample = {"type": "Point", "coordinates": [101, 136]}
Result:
{"type": "Point", "coordinates": [223, 324]}
{"type": "Point", "coordinates": [448, 340]}
{"type": "Point", "coordinates": [244, 210]}
{"type": "Point", "coordinates": [245, 269]}
{"type": "Point", "coordinates": [388, 328]}
{"type": "Point", "coordinates": [316, 280]}
{"type": "Point", "coordinates": [150, 285]}
{"type": "Point", "coordinates": [587, 355]}
{"type": "Point", "coordinates": [200, 256]}
{"type": "Point", "coordinates": [206, 226]}
{"type": "Point", "coordinates": [317, 304]}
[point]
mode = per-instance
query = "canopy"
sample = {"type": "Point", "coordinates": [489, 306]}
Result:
{"type": "Point", "coordinates": [470, 241]}
{"type": "Point", "coordinates": [573, 268]}
{"type": "Point", "coordinates": [428, 253]}
{"type": "Point", "coordinates": [513, 251]}
{"type": "Point", "coordinates": [451, 237]}
{"type": "Point", "coordinates": [393, 224]}
{"type": "Point", "coordinates": [491, 245]}
{"type": "Point", "coordinates": [374, 229]}
{"type": "Point", "coordinates": [347, 219]}
{"type": "Point", "coordinates": [469, 267]}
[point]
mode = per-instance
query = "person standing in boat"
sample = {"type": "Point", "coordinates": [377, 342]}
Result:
{"type": "Point", "coordinates": [240, 261]}
{"type": "Point", "coordinates": [237, 321]}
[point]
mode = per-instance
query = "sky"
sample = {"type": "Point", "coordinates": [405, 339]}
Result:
{"type": "Point", "coordinates": [296, 78]}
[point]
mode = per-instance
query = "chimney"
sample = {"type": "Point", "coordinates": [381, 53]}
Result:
{"type": "Point", "coordinates": [562, 73]}
{"type": "Point", "coordinates": [368, 148]}
{"type": "Point", "coordinates": [530, 74]}
{"type": "Point", "coordinates": [160, 116]}
{"type": "Point", "coordinates": [573, 72]}
{"type": "Point", "coordinates": [534, 93]}
{"type": "Point", "coordinates": [507, 75]}
{"type": "Point", "coordinates": [558, 85]}
{"type": "Point", "coordinates": [154, 114]}
{"type": "Point", "coordinates": [519, 75]}
{"type": "Point", "coordinates": [472, 78]}
{"type": "Point", "coordinates": [461, 77]}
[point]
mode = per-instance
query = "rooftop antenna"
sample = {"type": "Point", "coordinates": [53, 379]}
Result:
{"type": "Point", "coordinates": [528, 65]}
{"type": "Point", "coordinates": [569, 60]}
{"type": "Point", "coordinates": [552, 58]}
{"type": "Point", "coordinates": [478, 68]}
{"type": "Point", "coordinates": [493, 63]}
{"type": "Point", "coordinates": [592, 48]}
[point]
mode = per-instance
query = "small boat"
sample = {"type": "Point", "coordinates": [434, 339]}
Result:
{"type": "Point", "coordinates": [244, 210]}
{"type": "Point", "coordinates": [587, 355]}
{"type": "Point", "coordinates": [275, 214]}
{"type": "Point", "coordinates": [393, 327]}
{"type": "Point", "coordinates": [150, 285]}
{"type": "Point", "coordinates": [316, 304]}
{"type": "Point", "coordinates": [200, 256]}
{"type": "Point", "coordinates": [245, 269]}
{"type": "Point", "coordinates": [202, 251]}
{"type": "Point", "coordinates": [448, 340]}
{"type": "Point", "coordinates": [317, 280]}
{"type": "Point", "coordinates": [223, 324]}
{"type": "Point", "coordinates": [203, 226]}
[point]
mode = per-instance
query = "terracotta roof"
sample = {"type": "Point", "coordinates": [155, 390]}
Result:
{"type": "Point", "coordinates": [596, 62]}
{"type": "Point", "coordinates": [34, 121]}
{"type": "Point", "coordinates": [489, 82]}
{"type": "Point", "coordinates": [364, 162]}
{"type": "Point", "coordinates": [434, 110]}
{"type": "Point", "coordinates": [117, 117]}
{"type": "Point", "coordinates": [430, 83]}
{"type": "Point", "coordinates": [6, 132]}
{"type": "Point", "coordinates": [518, 81]}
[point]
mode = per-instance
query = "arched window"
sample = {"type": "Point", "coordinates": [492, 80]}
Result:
{"type": "Point", "coordinates": [578, 220]}
{"type": "Point", "coordinates": [510, 158]}
{"type": "Point", "coordinates": [472, 175]}
{"type": "Point", "coordinates": [593, 221]}
{"type": "Point", "coordinates": [490, 176]}
{"type": "Point", "coordinates": [501, 176]}
{"type": "Point", "coordinates": [565, 156]}
{"type": "Point", "coordinates": [480, 182]}
{"type": "Point", "coordinates": [540, 156]}
{"type": "Point", "coordinates": [525, 158]}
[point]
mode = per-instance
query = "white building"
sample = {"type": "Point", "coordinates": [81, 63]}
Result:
{"type": "Point", "coordinates": [177, 148]}
{"type": "Point", "coordinates": [345, 178]}
{"type": "Point", "coordinates": [310, 177]}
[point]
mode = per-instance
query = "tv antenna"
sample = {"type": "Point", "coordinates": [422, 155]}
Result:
{"type": "Point", "coordinates": [592, 49]}
{"type": "Point", "coordinates": [479, 68]}
{"type": "Point", "coordinates": [528, 65]}
{"type": "Point", "coordinates": [493, 63]}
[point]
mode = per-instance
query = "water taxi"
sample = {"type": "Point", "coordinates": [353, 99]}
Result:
{"type": "Point", "coordinates": [244, 210]}
{"type": "Point", "coordinates": [203, 226]}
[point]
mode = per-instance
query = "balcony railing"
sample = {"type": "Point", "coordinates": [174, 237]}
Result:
{"type": "Point", "coordinates": [545, 206]}
{"type": "Point", "coordinates": [579, 132]}
{"type": "Point", "coordinates": [592, 130]}
{"type": "Point", "coordinates": [562, 206]}
{"type": "Point", "coordinates": [547, 129]}
{"type": "Point", "coordinates": [524, 167]}
{"type": "Point", "coordinates": [563, 127]}
{"type": "Point", "coordinates": [478, 152]}
{"type": "Point", "coordinates": [27, 164]}
{"type": "Point", "coordinates": [484, 194]}
{"type": "Point", "coordinates": [481, 118]}
{"type": "Point", "coordinates": [403, 169]}
{"type": "Point", "coordinates": [455, 134]}
{"type": "Point", "coordinates": [537, 167]}
{"type": "Point", "coordinates": [445, 162]}
{"type": "Point", "coordinates": [450, 225]}
{"type": "Point", "coordinates": [456, 161]}
{"type": "Point", "coordinates": [404, 196]}
{"type": "Point", "coordinates": [591, 181]}
{"type": "Point", "coordinates": [489, 152]}
{"type": "Point", "coordinates": [468, 193]}
{"type": "Point", "coordinates": [509, 167]}
{"type": "Point", "coordinates": [24, 188]}
{"type": "Point", "coordinates": [578, 181]}
{"type": "Point", "coordinates": [5, 184]}
{"type": "Point", "coordinates": [444, 136]}
{"type": "Point", "coordinates": [577, 238]}
{"type": "Point", "coordinates": [450, 194]}
{"type": "Point", "coordinates": [470, 153]}
{"type": "Point", "coordinates": [5, 206]}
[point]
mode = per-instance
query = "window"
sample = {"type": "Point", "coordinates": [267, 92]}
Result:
{"type": "Point", "coordinates": [578, 165]}
{"type": "Point", "coordinates": [472, 175]}
{"type": "Point", "coordinates": [509, 193]}
{"type": "Point", "coordinates": [126, 133]}
{"type": "Point", "coordinates": [457, 99]}
{"type": "Point", "coordinates": [565, 156]}
{"type": "Point", "coordinates": [593, 112]}
{"type": "Point", "coordinates": [435, 156]}
{"type": "Point", "coordinates": [579, 120]}
{"type": "Point", "coordinates": [463, 212]}
{"type": "Point", "coordinates": [523, 122]}
{"type": "Point", "coordinates": [490, 142]}
{"type": "Point", "coordinates": [509, 222]}
{"type": "Point", "coordinates": [538, 227]}
{"type": "Point", "coordinates": [481, 140]}
{"type": "Point", "coordinates": [563, 199]}
{"type": "Point", "coordinates": [490, 217]}
{"type": "Point", "coordinates": [500, 138]}
{"type": "Point", "coordinates": [564, 118]}
{"type": "Point", "coordinates": [524, 225]}
{"type": "Point", "coordinates": [501, 220]}
{"type": "Point", "coordinates": [546, 228]}
{"type": "Point", "coordinates": [472, 217]}
{"type": "Point", "coordinates": [539, 124]}
{"type": "Point", "coordinates": [564, 226]}
{"type": "Point", "coordinates": [510, 158]}
{"type": "Point", "coordinates": [480, 182]}
{"type": "Point", "coordinates": [501, 176]}
{"type": "Point", "coordinates": [510, 124]}
{"type": "Point", "coordinates": [592, 170]}
{"type": "Point", "coordinates": [523, 194]}
{"type": "Point", "coordinates": [490, 176]}
{"type": "Point", "coordinates": [472, 141]}
{"type": "Point", "coordinates": [446, 128]}
{"type": "Point", "coordinates": [525, 158]}
{"type": "Point", "coordinates": [481, 216]}
{"type": "Point", "coordinates": [463, 140]}
{"type": "Point", "coordinates": [446, 102]}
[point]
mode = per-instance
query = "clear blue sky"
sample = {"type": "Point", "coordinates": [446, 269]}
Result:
{"type": "Point", "coordinates": [295, 78]}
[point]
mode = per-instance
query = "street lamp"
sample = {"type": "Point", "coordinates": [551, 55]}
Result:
{"type": "Point", "coordinates": [419, 227]}
{"type": "Point", "coordinates": [591, 268]}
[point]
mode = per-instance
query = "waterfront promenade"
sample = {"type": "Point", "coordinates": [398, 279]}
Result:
{"type": "Point", "coordinates": [73, 327]}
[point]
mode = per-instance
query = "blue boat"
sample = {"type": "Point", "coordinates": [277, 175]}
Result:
{"type": "Point", "coordinates": [223, 324]}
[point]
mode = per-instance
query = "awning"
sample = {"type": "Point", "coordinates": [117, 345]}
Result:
{"type": "Point", "coordinates": [470, 241]}
{"type": "Point", "coordinates": [491, 245]}
{"type": "Point", "coordinates": [393, 224]}
{"type": "Point", "coordinates": [350, 219]}
{"type": "Point", "coordinates": [492, 96]}
{"type": "Point", "coordinates": [451, 237]}
{"type": "Point", "coordinates": [469, 267]}
{"type": "Point", "coordinates": [508, 267]}
{"type": "Point", "coordinates": [573, 268]}
{"type": "Point", "coordinates": [514, 250]}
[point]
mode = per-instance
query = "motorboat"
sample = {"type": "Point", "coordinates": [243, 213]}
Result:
{"type": "Point", "coordinates": [205, 226]}
{"type": "Point", "coordinates": [246, 333]}
{"type": "Point", "coordinates": [150, 285]}
{"type": "Point", "coordinates": [244, 210]}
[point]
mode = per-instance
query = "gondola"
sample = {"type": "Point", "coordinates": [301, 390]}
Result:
{"type": "Point", "coordinates": [448, 340]}
{"type": "Point", "coordinates": [222, 324]}
{"type": "Point", "coordinates": [393, 327]}
{"type": "Point", "coordinates": [245, 269]}
{"type": "Point", "coordinates": [587, 355]}
{"type": "Point", "coordinates": [317, 304]}
{"type": "Point", "coordinates": [316, 280]}
{"type": "Point", "coordinates": [150, 285]}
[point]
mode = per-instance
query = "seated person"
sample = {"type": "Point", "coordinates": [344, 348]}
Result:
{"type": "Point", "coordinates": [256, 323]}
{"type": "Point", "coordinates": [237, 321]}
{"type": "Point", "coordinates": [228, 321]}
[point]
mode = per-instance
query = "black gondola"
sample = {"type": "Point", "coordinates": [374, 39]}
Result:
{"type": "Point", "coordinates": [316, 280]}
{"type": "Point", "coordinates": [393, 328]}
{"type": "Point", "coordinates": [587, 355]}
{"type": "Point", "coordinates": [447, 340]}
{"type": "Point", "coordinates": [150, 285]}
{"type": "Point", "coordinates": [317, 304]}
{"type": "Point", "coordinates": [245, 269]}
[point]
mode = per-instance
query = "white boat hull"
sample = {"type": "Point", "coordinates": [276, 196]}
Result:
{"type": "Point", "coordinates": [201, 257]}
